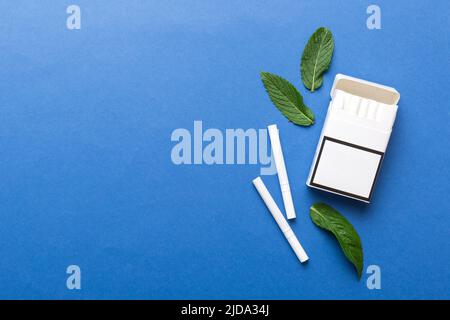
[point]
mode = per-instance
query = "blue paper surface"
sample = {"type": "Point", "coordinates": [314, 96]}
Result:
{"type": "Point", "coordinates": [86, 176]}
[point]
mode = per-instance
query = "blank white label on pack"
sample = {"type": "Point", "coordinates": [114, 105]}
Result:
{"type": "Point", "coordinates": [346, 168]}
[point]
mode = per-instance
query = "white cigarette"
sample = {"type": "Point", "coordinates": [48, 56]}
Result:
{"type": "Point", "coordinates": [338, 100]}
{"type": "Point", "coordinates": [372, 110]}
{"type": "Point", "coordinates": [352, 105]}
{"type": "Point", "coordinates": [281, 221]}
{"type": "Point", "coordinates": [281, 171]}
{"type": "Point", "coordinates": [386, 114]}
{"type": "Point", "coordinates": [363, 106]}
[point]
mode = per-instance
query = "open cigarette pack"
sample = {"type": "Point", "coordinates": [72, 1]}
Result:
{"type": "Point", "coordinates": [354, 137]}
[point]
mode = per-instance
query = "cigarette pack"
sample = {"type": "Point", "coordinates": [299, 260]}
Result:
{"type": "Point", "coordinates": [354, 137]}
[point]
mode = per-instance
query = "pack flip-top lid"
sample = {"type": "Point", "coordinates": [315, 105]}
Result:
{"type": "Point", "coordinates": [365, 89]}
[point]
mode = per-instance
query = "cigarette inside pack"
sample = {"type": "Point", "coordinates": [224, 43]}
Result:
{"type": "Point", "coordinates": [354, 138]}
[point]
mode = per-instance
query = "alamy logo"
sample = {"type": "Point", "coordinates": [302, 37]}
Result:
{"type": "Point", "coordinates": [374, 279]}
{"type": "Point", "coordinates": [73, 21]}
{"type": "Point", "coordinates": [374, 20]}
{"type": "Point", "coordinates": [236, 146]}
{"type": "Point", "coordinates": [73, 282]}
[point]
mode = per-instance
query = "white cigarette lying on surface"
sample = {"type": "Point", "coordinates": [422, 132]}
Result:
{"type": "Point", "coordinates": [281, 171]}
{"type": "Point", "coordinates": [279, 218]}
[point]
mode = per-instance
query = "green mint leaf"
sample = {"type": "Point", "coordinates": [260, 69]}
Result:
{"type": "Point", "coordinates": [316, 58]}
{"type": "Point", "coordinates": [329, 219]}
{"type": "Point", "coordinates": [287, 99]}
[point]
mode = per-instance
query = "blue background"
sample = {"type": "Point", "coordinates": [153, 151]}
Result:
{"type": "Point", "coordinates": [86, 176]}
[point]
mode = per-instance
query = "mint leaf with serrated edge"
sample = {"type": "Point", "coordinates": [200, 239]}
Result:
{"type": "Point", "coordinates": [316, 58]}
{"type": "Point", "coordinates": [287, 99]}
{"type": "Point", "coordinates": [329, 219]}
